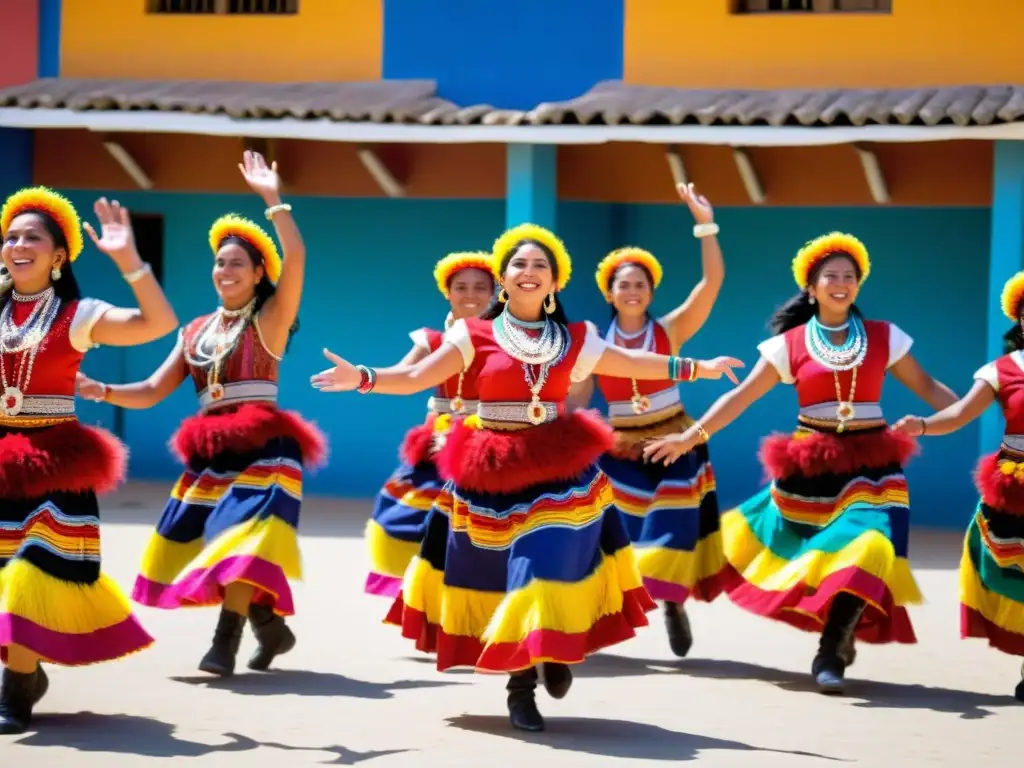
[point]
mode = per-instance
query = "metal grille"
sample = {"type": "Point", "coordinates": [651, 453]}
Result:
{"type": "Point", "coordinates": [814, 6]}
{"type": "Point", "coordinates": [240, 7]}
{"type": "Point", "coordinates": [182, 6]}
{"type": "Point", "coordinates": [263, 6]}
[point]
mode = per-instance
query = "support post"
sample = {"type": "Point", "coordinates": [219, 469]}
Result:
{"type": "Point", "coordinates": [531, 188]}
{"type": "Point", "coordinates": [1006, 257]}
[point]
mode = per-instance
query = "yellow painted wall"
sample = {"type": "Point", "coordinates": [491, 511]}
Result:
{"type": "Point", "coordinates": [701, 44]}
{"type": "Point", "coordinates": [326, 40]}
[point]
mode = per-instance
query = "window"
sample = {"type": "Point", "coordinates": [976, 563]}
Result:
{"type": "Point", "coordinates": [149, 239]}
{"type": "Point", "coordinates": [814, 6]}
{"type": "Point", "coordinates": [241, 7]}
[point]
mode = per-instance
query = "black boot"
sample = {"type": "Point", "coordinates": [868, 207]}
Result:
{"type": "Point", "coordinates": [835, 651]}
{"type": "Point", "coordinates": [522, 704]}
{"type": "Point", "coordinates": [677, 624]}
{"type": "Point", "coordinates": [557, 679]}
{"type": "Point", "coordinates": [220, 659]}
{"type": "Point", "coordinates": [19, 693]}
{"type": "Point", "coordinates": [272, 634]}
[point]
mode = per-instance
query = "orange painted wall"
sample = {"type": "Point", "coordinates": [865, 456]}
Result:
{"type": "Point", "coordinates": [326, 40]}
{"type": "Point", "coordinates": [178, 163]}
{"type": "Point", "coordinates": [700, 43]}
{"type": "Point", "coordinates": [917, 174]}
{"type": "Point", "coordinates": [19, 54]}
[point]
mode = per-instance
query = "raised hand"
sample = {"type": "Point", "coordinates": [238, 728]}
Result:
{"type": "Point", "coordinates": [912, 426]}
{"type": "Point", "coordinates": [261, 178]}
{"type": "Point", "coordinates": [116, 238]}
{"type": "Point", "coordinates": [669, 448]}
{"type": "Point", "coordinates": [699, 206]}
{"type": "Point", "coordinates": [343, 377]}
{"type": "Point", "coordinates": [719, 367]}
{"type": "Point", "coordinates": [90, 389]}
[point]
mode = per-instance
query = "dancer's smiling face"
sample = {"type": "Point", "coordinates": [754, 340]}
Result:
{"type": "Point", "coordinates": [631, 290]}
{"type": "Point", "coordinates": [469, 292]}
{"type": "Point", "coordinates": [835, 284]}
{"type": "Point", "coordinates": [33, 246]}
{"type": "Point", "coordinates": [529, 275]}
{"type": "Point", "coordinates": [236, 272]}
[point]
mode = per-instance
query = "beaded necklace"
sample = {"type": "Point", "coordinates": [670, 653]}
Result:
{"type": "Point", "coordinates": [216, 340]}
{"type": "Point", "coordinates": [639, 403]}
{"type": "Point", "coordinates": [849, 355]}
{"type": "Point", "coordinates": [17, 340]}
{"type": "Point", "coordinates": [545, 351]}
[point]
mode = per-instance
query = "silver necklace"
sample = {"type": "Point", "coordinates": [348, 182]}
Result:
{"type": "Point", "coordinates": [17, 340]}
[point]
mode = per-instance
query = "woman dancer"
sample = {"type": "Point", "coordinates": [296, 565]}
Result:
{"type": "Point", "coordinates": [991, 598]}
{"type": "Point", "coordinates": [396, 528]}
{"type": "Point", "coordinates": [671, 512]}
{"type": "Point", "coordinates": [55, 603]}
{"type": "Point", "coordinates": [824, 547]}
{"type": "Point", "coordinates": [228, 532]}
{"type": "Point", "coordinates": [538, 567]}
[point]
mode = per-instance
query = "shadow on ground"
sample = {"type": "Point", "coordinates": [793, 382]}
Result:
{"type": "Point", "coordinates": [614, 738]}
{"type": "Point", "coordinates": [861, 693]}
{"type": "Point", "coordinates": [300, 682]}
{"type": "Point", "coordinates": [148, 737]}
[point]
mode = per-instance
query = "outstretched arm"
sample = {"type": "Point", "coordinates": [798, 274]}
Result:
{"type": "Point", "coordinates": [141, 394]}
{"type": "Point", "coordinates": [954, 417]}
{"type": "Point", "coordinates": [124, 326]}
{"type": "Point", "coordinates": [432, 371]}
{"type": "Point", "coordinates": [637, 364]}
{"type": "Point", "coordinates": [911, 375]}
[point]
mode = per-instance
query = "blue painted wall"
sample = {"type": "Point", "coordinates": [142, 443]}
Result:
{"type": "Point", "coordinates": [369, 282]}
{"type": "Point", "coordinates": [509, 55]}
{"type": "Point", "coordinates": [918, 281]}
{"type": "Point", "coordinates": [49, 38]}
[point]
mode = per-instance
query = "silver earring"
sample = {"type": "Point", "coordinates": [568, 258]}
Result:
{"type": "Point", "coordinates": [810, 299]}
{"type": "Point", "coordinates": [55, 274]}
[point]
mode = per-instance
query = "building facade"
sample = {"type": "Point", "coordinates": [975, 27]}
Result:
{"type": "Point", "coordinates": [896, 120]}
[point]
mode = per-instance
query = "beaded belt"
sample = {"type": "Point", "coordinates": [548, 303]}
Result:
{"type": "Point", "coordinates": [442, 405]}
{"type": "Point", "coordinates": [826, 415]}
{"type": "Point", "coordinates": [660, 406]}
{"type": "Point", "coordinates": [236, 392]}
{"type": "Point", "coordinates": [39, 411]}
{"type": "Point", "coordinates": [513, 415]}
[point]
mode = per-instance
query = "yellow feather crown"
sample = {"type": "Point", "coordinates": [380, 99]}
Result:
{"type": "Point", "coordinates": [54, 205]}
{"type": "Point", "coordinates": [446, 268]}
{"type": "Point", "coordinates": [628, 255]}
{"type": "Point", "coordinates": [1013, 292]}
{"type": "Point", "coordinates": [822, 247]}
{"type": "Point", "coordinates": [504, 244]}
{"type": "Point", "coordinates": [234, 225]}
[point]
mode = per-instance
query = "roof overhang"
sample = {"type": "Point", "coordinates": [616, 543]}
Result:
{"type": "Point", "coordinates": [121, 121]}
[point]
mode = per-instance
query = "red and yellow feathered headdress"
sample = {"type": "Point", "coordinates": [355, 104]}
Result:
{"type": "Point", "coordinates": [508, 240]}
{"type": "Point", "coordinates": [628, 255]}
{"type": "Point", "coordinates": [1013, 292]}
{"type": "Point", "coordinates": [54, 205]}
{"type": "Point", "coordinates": [234, 225]}
{"type": "Point", "coordinates": [446, 268]}
{"type": "Point", "coordinates": [822, 247]}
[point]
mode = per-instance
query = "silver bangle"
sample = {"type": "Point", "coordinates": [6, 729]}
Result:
{"type": "Point", "coordinates": [705, 230]}
{"type": "Point", "coordinates": [280, 207]}
{"type": "Point", "coordinates": [133, 277]}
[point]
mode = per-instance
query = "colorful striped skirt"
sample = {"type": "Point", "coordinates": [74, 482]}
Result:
{"type": "Point", "coordinates": [671, 514]}
{"type": "Point", "coordinates": [992, 566]}
{"type": "Point", "coordinates": [836, 518]}
{"type": "Point", "coordinates": [54, 598]}
{"type": "Point", "coordinates": [231, 518]}
{"type": "Point", "coordinates": [398, 523]}
{"type": "Point", "coordinates": [540, 573]}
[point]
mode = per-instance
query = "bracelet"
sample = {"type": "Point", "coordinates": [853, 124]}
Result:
{"type": "Point", "coordinates": [367, 381]}
{"type": "Point", "coordinates": [280, 207]}
{"type": "Point", "coordinates": [924, 427]}
{"type": "Point", "coordinates": [133, 277]}
{"type": "Point", "coordinates": [682, 368]}
{"type": "Point", "coordinates": [694, 370]}
{"type": "Point", "coordinates": [705, 230]}
{"type": "Point", "coordinates": [704, 436]}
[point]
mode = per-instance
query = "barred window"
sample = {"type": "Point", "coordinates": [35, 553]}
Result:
{"type": "Point", "coordinates": [240, 7]}
{"type": "Point", "coordinates": [814, 6]}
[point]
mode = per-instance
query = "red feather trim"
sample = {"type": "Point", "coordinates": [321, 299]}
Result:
{"type": "Point", "coordinates": [1001, 492]}
{"type": "Point", "coordinates": [822, 453]}
{"type": "Point", "coordinates": [493, 461]}
{"type": "Point", "coordinates": [418, 444]}
{"type": "Point", "coordinates": [65, 457]}
{"type": "Point", "coordinates": [247, 428]}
